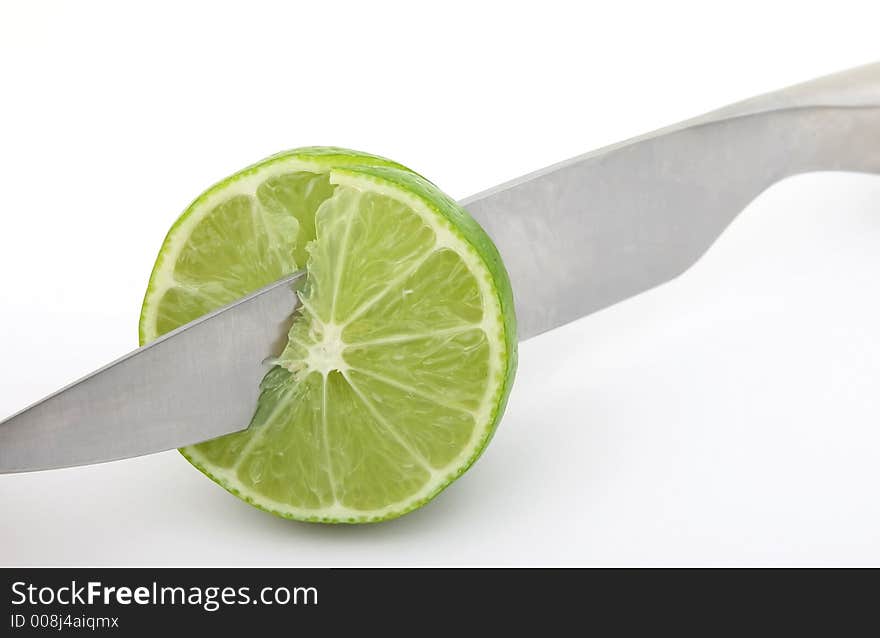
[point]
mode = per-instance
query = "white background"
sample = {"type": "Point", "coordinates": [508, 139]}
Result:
{"type": "Point", "coordinates": [730, 417]}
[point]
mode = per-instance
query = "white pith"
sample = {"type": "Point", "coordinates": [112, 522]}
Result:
{"type": "Point", "coordinates": [326, 355]}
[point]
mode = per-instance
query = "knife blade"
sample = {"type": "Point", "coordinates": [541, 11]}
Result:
{"type": "Point", "coordinates": [594, 230]}
{"type": "Point", "coordinates": [575, 237]}
{"type": "Point", "coordinates": [195, 383]}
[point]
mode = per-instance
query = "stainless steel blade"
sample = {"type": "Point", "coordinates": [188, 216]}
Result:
{"type": "Point", "coordinates": [195, 383]}
{"type": "Point", "coordinates": [594, 230]}
{"type": "Point", "coordinates": [576, 237]}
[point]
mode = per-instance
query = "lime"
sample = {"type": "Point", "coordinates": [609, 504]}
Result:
{"type": "Point", "coordinates": [398, 366]}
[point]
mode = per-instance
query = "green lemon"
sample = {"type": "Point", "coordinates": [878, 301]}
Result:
{"type": "Point", "coordinates": [398, 366]}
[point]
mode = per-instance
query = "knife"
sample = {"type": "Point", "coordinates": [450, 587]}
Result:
{"type": "Point", "coordinates": [575, 237]}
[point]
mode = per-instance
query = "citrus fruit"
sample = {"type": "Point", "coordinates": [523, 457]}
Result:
{"type": "Point", "coordinates": [399, 362]}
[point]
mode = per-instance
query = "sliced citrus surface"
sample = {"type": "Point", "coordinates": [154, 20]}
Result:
{"type": "Point", "coordinates": [399, 363]}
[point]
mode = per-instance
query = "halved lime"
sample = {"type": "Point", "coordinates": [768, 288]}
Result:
{"type": "Point", "coordinates": [398, 367]}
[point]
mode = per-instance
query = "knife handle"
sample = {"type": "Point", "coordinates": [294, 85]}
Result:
{"type": "Point", "coordinates": [828, 124]}
{"type": "Point", "coordinates": [854, 88]}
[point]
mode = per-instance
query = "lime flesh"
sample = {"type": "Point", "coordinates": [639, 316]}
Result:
{"type": "Point", "coordinates": [398, 366]}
